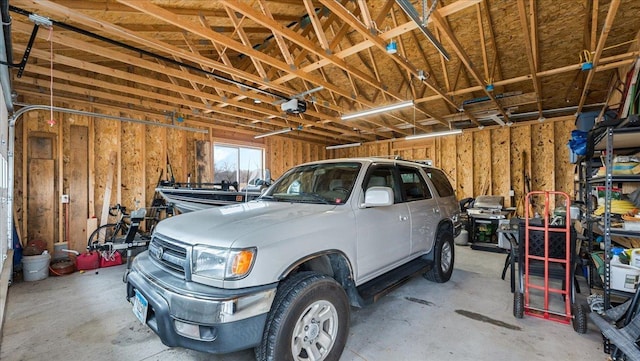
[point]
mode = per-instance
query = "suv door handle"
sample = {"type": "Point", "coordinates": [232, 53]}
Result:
{"type": "Point", "coordinates": [403, 218]}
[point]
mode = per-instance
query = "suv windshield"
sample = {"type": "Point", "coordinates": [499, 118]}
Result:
{"type": "Point", "coordinates": [325, 183]}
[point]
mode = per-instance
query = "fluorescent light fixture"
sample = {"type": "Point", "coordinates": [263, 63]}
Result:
{"type": "Point", "coordinates": [343, 146]}
{"type": "Point", "coordinates": [434, 134]}
{"type": "Point", "coordinates": [383, 109]}
{"type": "Point", "coordinates": [285, 130]}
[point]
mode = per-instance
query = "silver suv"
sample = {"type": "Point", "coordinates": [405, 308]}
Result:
{"type": "Point", "coordinates": [280, 273]}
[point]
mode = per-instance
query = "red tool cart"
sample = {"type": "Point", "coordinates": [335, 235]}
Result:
{"type": "Point", "coordinates": [547, 255]}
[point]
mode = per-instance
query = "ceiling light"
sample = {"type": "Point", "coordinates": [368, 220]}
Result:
{"type": "Point", "coordinates": [284, 130]}
{"type": "Point", "coordinates": [371, 111]}
{"type": "Point", "coordinates": [343, 146]}
{"type": "Point", "coordinates": [434, 134]}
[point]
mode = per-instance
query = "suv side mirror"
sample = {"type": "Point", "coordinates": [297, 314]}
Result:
{"type": "Point", "coordinates": [378, 197]}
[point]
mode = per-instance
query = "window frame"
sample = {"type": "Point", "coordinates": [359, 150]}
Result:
{"type": "Point", "coordinates": [238, 171]}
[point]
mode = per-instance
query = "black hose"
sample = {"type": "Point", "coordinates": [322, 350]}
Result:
{"type": "Point", "coordinates": [6, 29]}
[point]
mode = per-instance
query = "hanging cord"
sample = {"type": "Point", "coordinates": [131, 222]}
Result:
{"type": "Point", "coordinates": [51, 121]}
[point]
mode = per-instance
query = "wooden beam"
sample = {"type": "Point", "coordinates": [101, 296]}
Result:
{"type": "Point", "coordinates": [529, 46]}
{"type": "Point", "coordinates": [594, 24]}
{"type": "Point", "coordinates": [605, 64]}
{"type": "Point", "coordinates": [119, 32]}
{"type": "Point", "coordinates": [496, 71]}
{"type": "Point", "coordinates": [158, 12]}
{"type": "Point", "coordinates": [108, 5]}
{"type": "Point", "coordinates": [483, 46]}
{"type": "Point", "coordinates": [243, 37]}
{"type": "Point", "coordinates": [284, 49]}
{"type": "Point", "coordinates": [439, 20]}
{"type": "Point", "coordinates": [608, 22]}
{"type": "Point", "coordinates": [114, 98]}
{"type": "Point", "coordinates": [311, 47]}
{"type": "Point", "coordinates": [159, 84]}
{"type": "Point", "coordinates": [317, 26]}
{"type": "Point", "coordinates": [367, 43]}
{"type": "Point", "coordinates": [381, 44]}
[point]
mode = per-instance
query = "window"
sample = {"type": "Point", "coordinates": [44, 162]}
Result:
{"type": "Point", "coordinates": [237, 164]}
{"type": "Point", "coordinates": [413, 185]}
{"type": "Point", "coordinates": [440, 181]}
{"type": "Point", "coordinates": [383, 176]}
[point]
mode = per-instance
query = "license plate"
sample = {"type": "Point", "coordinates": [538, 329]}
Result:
{"type": "Point", "coordinates": [140, 305]}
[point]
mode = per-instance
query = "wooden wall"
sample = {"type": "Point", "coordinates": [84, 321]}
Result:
{"type": "Point", "coordinates": [124, 162]}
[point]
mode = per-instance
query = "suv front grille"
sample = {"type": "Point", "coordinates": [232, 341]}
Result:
{"type": "Point", "coordinates": [169, 253]}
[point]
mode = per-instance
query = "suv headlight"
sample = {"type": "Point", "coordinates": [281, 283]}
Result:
{"type": "Point", "coordinates": [222, 263]}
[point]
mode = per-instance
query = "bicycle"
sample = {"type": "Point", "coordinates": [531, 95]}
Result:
{"type": "Point", "coordinates": [113, 238]}
{"type": "Point", "coordinates": [112, 233]}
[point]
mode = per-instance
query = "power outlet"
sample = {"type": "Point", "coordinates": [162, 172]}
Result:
{"type": "Point", "coordinates": [64, 198]}
{"type": "Point", "coordinates": [511, 193]}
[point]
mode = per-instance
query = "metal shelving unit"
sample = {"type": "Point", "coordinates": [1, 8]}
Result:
{"type": "Point", "coordinates": [619, 140]}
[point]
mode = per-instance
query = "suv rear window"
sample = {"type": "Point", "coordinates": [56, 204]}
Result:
{"type": "Point", "coordinates": [413, 185]}
{"type": "Point", "coordinates": [440, 181]}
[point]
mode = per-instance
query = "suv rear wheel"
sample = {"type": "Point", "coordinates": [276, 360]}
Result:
{"type": "Point", "coordinates": [309, 320]}
{"type": "Point", "coordinates": [443, 258]}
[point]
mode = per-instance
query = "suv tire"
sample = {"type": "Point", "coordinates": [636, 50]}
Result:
{"type": "Point", "coordinates": [310, 314]}
{"type": "Point", "coordinates": [443, 258]}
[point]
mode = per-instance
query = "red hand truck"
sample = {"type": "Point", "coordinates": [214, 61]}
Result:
{"type": "Point", "coordinates": [548, 251]}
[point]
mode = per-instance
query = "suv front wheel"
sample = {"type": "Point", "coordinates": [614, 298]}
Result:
{"type": "Point", "coordinates": [443, 258]}
{"type": "Point", "coordinates": [309, 320]}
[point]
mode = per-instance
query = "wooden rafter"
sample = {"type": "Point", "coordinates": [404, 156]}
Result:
{"type": "Point", "coordinates": [120, 32]}
{"type": "Point", "coordinates": [529, 46]}
{"type": "Point", "coordinates": [611, 15]}
{"type": "Point", "coordinates": [483, 46]}
{"type": "Point", "coordinates": [594, 25]}
{"type": "Point", "coordinates": [439, 20]}
{"type": "Point", "coordinates": [377, 41]}
{"type": "Point", "coordinates": [113, 6]}
{"type": "Point", "coordinates": [188, 48]}
{"type": "Point", "coordinates": [243, 37]}
{"type": "Point", "coordinates": [260, 112]}
{"type": "Point", "coordinates": [496, 71]}
{"type": "Point", "coordinates": [317, 26]}
{"type": "Point", "coordinates": [304, 42]}
{"type": "Point", "coordinates": [282, 45]}
{"type": "Point", "coordinates": [367, 43]}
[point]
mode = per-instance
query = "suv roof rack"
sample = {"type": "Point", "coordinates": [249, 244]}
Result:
{"type": "Point", "coordinates": [394, 157]}
{"type": "Point", "coordinates": [428, 162]}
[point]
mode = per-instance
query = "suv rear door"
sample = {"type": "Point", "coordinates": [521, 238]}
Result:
{"type": "Point", "coordinates": [423, 208]}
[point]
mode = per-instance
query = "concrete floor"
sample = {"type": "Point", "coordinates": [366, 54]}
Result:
{"type": "Point", "coordinates": [86, 317]}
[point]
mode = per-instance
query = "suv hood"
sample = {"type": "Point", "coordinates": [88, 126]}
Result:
{"type": "Point", "coordinates": [222, 226]}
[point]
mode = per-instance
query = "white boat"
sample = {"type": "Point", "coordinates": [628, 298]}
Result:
{"type": "Point", "coordinates": [189, 197]}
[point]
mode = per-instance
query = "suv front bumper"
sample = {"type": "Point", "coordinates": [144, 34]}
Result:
{"type": "Point", "coordinates": [196, 316]}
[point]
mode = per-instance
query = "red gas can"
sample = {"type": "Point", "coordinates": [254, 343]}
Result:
{"type": "Point", "coordinates": [88, 261]}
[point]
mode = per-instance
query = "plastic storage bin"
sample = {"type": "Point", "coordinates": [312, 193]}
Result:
{"type": "Point", "coordinates": [624, 277]}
